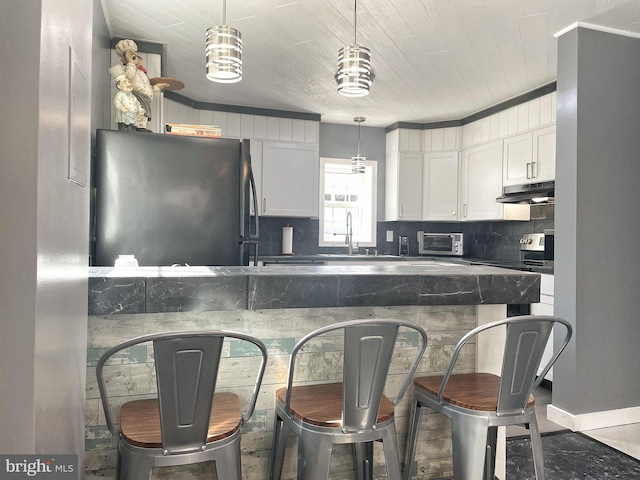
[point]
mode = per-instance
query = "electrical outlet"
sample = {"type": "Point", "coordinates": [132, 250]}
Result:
{"type": "Point", "coordinates": [389, 235]}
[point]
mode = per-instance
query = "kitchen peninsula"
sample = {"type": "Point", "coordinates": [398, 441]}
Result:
{"type": "Point", "coordinates": [279, 304]}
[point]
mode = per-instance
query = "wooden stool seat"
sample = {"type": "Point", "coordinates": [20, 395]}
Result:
{"type": "Point", "coordinates": [321, 404]}
{"type": "Point", "coordinates": [188, 422]}
{"type": "Point", "coordinates": [475, 391]}
{"type": "Point", "coordinates": [478, 404]}
{"type": "Point", "coordinates": [140, 420]}
{"type": "Point", "coordinates": [351, 408]}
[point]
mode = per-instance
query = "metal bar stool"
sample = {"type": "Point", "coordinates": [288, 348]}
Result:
{"type": "Point", "coordinates": [188, 422]}
{"type": "Point", "coordinates": [477, 403]}
{"type": "Point", "coordinates": [353, 411]}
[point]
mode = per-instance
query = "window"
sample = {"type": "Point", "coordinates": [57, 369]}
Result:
{"type": "Point", "coordinates": [342, 191]}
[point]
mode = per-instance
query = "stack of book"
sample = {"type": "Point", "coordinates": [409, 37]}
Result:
{"type": "Point", "coordinates": [211, 131]}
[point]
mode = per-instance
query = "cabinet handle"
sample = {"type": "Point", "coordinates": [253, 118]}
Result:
{"type": "Point", "coordinates": [264, 205]}
{"type": "Point", "coordinates": [533, 171]}
{"type": "Point", "coordinates": [464, 209]}
{"type": "Point", "coordinates": [529, 169]}
{"type": "Point", "coordinates": [401, 211]}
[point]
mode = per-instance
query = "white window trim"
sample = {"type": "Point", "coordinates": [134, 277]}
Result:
{"type": "Point", "coordinates": [374, 204]}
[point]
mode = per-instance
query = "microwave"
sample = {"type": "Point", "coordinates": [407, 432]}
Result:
{"type": "Point", "coordinates": [451, 244]}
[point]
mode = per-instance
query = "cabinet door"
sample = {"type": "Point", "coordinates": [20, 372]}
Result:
{"type": "Point", "coordinates": [481, 182]}
{"type": "Point", "coordinates": [410, 186]}
{"type": "Point", "coordinates": [517, 165]}
{"type": "Point", "coordinates": [544, 154]}
{"type": "Point", "coordinates": [440, 186]}
{"type": "Point", "coordinates": [545, 307]}
{"type": "Point", "coordinates": [290, 174]}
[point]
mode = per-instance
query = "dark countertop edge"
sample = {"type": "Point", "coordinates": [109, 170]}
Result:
{"type": "Point", "coordinates": [181, 289]}
{"type": "Point", "coordinates": [330, 257]}
{"type": "Point", "coordinates": [461, 269]}
{"type": "Point", "coordinates": [338, 258]}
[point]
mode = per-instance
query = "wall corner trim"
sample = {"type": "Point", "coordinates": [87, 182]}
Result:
{"type": "Point", "coordinates": [599, 28]}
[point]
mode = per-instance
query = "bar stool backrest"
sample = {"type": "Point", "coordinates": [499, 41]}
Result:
{"type": "Point", "coordinates": [186, 371]}
{"type": "Point", "coordinates": [524, 346]}
{"type": "Point", "coordinates": [526, 339]}
{"type": "Point", "coordinates": [186, 365]}
{"type": "Point", "coordinates": [368, 350]}
{"type": "Point", "coordinates": [367, 356]}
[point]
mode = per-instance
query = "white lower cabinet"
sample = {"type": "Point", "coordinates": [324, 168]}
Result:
{"type": "Point", "coordinates": [481, 184]}
{"type": "Point", "coordinates": [290, 178]}
{"type": "Point", "coordinates": [545, 307]}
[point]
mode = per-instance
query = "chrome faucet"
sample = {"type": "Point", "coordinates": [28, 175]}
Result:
{"type": "Point", "coordinates": [348, 239]}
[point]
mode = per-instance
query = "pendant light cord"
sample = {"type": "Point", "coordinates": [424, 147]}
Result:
{"type": "Point", "coordinates": [224, 12]}
{"type": "Point", "coordinates": [355, 22]}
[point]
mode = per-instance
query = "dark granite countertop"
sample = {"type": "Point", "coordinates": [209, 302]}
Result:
{"type": "Point", "coordinates": [341, 257]}
{"type": "Point", "coordinates": [174, 289]}
{"type": "Point", "coordinates": [323, 258]}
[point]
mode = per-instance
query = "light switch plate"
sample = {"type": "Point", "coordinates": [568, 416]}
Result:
{"type": "Point", "coordinates": [389, 235]}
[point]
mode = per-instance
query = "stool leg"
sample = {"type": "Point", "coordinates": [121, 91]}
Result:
{"type": "Point", "coordinates": [490, 453]}
{"type": "Point", "coordinates": [135, 467]}
{"type": "Point", "coordinates": [228, 463]}
{"type": "Point", "coordinates": [391, 456]}
{"type": "Point", "coordinates": [280, 434]}
{"type": "Point", "coordinates": [363, 453]}
{"type": "Point", "coordinates": [412, 439]}
{"type": "Point", "coordinates": [469, 446]}
{"type": "Point", "coordinates": [536, 447]}
{"type": "Point", "coordinates": [314, 456]}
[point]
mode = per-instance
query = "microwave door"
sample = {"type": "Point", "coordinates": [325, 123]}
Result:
{"type": "Point", "coordinates": [438, 243]}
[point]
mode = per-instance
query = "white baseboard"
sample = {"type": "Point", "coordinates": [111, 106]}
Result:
{"type": "Point", "coordinates": [594, 420]}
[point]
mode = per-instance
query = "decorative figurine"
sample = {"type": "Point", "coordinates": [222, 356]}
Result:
{"type": "Point", "coordinates": [128, 107]}
{"type": "Point", "coordinates": [137, 76]}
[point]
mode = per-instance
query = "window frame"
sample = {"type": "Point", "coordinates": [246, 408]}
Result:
{"type": "Point", "coordinates": [372, 169]}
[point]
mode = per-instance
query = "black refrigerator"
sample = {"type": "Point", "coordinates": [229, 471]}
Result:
{"type": "Point", "coordinates": [172, 199]}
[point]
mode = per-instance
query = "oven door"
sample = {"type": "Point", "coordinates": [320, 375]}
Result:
{"type": "Point", "coordinates": [437, 243]}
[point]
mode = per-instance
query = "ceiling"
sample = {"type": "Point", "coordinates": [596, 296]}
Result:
{"type": "Point", "coordinates": [434, 60]}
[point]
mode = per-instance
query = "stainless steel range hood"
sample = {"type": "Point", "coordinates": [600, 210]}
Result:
{"type": "Point", "coordinates": [528, 193]}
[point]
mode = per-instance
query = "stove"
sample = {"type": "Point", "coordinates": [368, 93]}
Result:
{"type": "Point", "coordinates": [532, 251]}
{"type": "Point", "coordinates": [534, 257]}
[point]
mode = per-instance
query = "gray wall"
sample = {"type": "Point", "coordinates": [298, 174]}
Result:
{"type": "Point", "coordinates": [341, 141]}
{"type": "Point", "coordinates": [597, 277]}
{"type": "Point", "coordinates": [43, 246]}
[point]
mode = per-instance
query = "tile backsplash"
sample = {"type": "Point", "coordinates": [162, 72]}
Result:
{"type": "Point", "coordinates": [487, 240]}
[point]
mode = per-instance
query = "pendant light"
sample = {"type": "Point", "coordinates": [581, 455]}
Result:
{"type": "Point", "coordinates": [224, 52]}
{"type": "Point", "coordinates": [354, 74]}
{"type": "Point", "coordinates": [358, 162]}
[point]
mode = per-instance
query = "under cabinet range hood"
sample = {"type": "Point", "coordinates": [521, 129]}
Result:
{"type": "Point", "coordinates": [528, 193]}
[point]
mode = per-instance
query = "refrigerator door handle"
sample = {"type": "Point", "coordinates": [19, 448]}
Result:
{"type": "Point", "coordinates": [255, 237]}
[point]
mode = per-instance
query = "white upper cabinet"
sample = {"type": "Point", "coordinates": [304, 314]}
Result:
{"type": "Point", "coordinates": [530, 157]}
{"type": "Point", "coordinates": [409, 140]}
{"type": "Point", "coordinates": [403, 187]}
{"type": "Point", "coordinates": [481, 184]}
{"type": "Point", "coordinates": [544, 154]}
{"type": "Point", "coordinates": [290, 178]}
{"type": "Point", "coordinates": [440, 186]}
{"type": "Point", "coordinates": [517, 159]}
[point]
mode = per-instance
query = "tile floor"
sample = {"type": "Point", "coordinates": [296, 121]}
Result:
{"type": "Point", "coordinates": [625, 438]}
